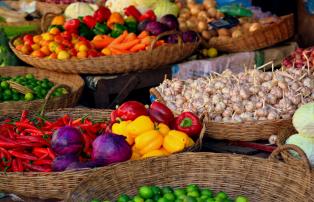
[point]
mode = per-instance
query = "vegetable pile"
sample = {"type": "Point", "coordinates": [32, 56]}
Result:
{"type": "Point", "coordinates": [103, 33]}
{"type": "Point", "coordinates": [154, 132]}
{"type": "Point", "coordinates": [300, 58]}
{"type": "Point", "coordinates": [190, 193]}
{"type": "Point", "coordinates": [38, 88]}
{"type": "Point", "coordinates": [248, 96]}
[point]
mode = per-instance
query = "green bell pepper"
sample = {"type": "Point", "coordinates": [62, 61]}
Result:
{"type": "Point", "coordinates": [101, 29]}
{"type": "Point", "coordinates": [117, 30]}
{"type": "Point", "coordinates": [131, 24]}
{"type": "Point", "coordinates": [85, 31]}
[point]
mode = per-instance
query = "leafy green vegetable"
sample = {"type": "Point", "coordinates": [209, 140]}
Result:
{"type": "Point", "coordinates": [7, 58]}
{"type": "Point", "coordinates": [165, 7]}
{"type": "Point", "coordinates": [303, 120]}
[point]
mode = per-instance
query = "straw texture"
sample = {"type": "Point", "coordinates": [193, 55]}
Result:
{"type": "Point", "coordinates": [259, 179]}
{"type": "Point", "coordinates": [244, 131]}
{"type": "Point", "coordinates": [266, 37]}
{"type": "Point", "coordinates": [74, 82]}
{"type": "Point", "coordinates": [143, 60]}
{"type": "Point", "coordinates": [57, 184]}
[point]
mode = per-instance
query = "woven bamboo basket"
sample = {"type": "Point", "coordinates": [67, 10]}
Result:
{"type": "Point", "coordinates": [143, 60]}
{"type": "Point", "coordinates": [265, 37]}
{"type": "Point", "coordinates": [259, 179]}
{"type": "Point", "coordinates": [42, 7]}
{"type": "Point", "coordinates": [57, 184]}
{"type": "Point", "coordinates": [244, 131]}
{"type": "Point", "coordinates": [74, 82]}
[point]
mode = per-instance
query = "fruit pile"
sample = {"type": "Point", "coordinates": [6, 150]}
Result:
{"type": "Point", "coordinates": [154, 132]}
{"type": "Point", "coordinates": [191, 193]}
{"type": "Point", "coordinates": [300, 58]}
{"type": "Point", "coordinates": [39, 88]}
{"type": "Point", "coordinates": [101, 34]}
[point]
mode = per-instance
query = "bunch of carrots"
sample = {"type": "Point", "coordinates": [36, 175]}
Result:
{"type": "Point", "coordinates": [124, 44]}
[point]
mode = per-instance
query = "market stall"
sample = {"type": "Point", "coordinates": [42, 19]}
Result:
{"type": "Point", "coordinates": [136, 100]}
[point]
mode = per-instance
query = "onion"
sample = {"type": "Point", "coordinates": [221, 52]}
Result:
{"type": "Point", "coordinates": [60, 163]}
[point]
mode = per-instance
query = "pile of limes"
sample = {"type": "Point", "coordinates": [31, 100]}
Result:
{"type": "Point", "coordinates": [191, 193]}
{"type": "Point", "coordinates": [40, 88]}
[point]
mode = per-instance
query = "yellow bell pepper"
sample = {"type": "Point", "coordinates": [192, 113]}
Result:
{"type": "Point", "coordinates": [140, 125]}
{"type": "Point", "coordinates": [148, 141]}
{"type": "Point", "coordinates": [135, 156]}
{"type": "Point", "coordinates": [190, 142]}
{"type": "Point", "coordinates": [165, 151]}
{"type": "Point", "coordinates": [175, 141]}
{"type": "Point", "coordinates": [163, 129]}
{"type": "Point", "coordinates": [120, 129]}
{"type": "Point", "coordinates": [154, 153]}
{"type": "Point", "coordinates": [58, 20]}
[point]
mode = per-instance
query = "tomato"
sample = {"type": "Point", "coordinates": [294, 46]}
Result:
{"type": "Point", "coordinates": [92, 53]}
{"type": "Point", "coordinates": [66, 35]}
{"type": "Point", "coordinates": [28, 38]}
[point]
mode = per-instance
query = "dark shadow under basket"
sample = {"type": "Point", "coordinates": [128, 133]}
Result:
{"type": "Point", "coordinates": [261, 180]}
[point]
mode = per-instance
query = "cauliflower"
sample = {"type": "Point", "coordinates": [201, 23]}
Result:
{"type": "Point", "coordinates": [119, 5]}
{"type": "Point", "coordinates": [78, 9]}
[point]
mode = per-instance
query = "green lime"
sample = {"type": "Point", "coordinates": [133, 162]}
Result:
{"type": "Point", "coordinates": [241, 199]}
{"type": "Point", "coordinates": [182, 197]}
{"type": "Point", "coordinates": [219, 199]}
{"type": "Point", "coordinates": [204, 197]}
{"type": "Point", "coordinates": [166, 190]}
{"type": "Point", "coordinates": [15, 97]}
{"type": "Point", "coordinates": [149, 200]}
{"type": "Point", "coordinates": [64, 91]}
{"type": "Point", "coordinates": [194, 194]}
{"type": "Point", "coordinates": [4, 85]}
{"type": "Point", "coordinates": [29, 96]}
{"type": "Point", "coordinates": [189, 199]}
{"type": "Point", "coordinates": [207, 192]}
{"type": "Point", "coordinates": [170, 196]}
{"type": "Point", "coordinates": [43, 92]}
{"type": "Point", "coordinates": [146, 192]}
{"type": "Point", "coordinates": [221, 195]}
{"type": "Point", "coordinates": [29, 76]}
{"type": "Point", "coordinates": [178, 200]}
{"type": "Point", "coordinates": [7, 92]}
{"type": "Point", "coordinates": [58, 94]}
{"type": "Point", "coordinates": [123, 198]}
{"type": "Point", "coordinates": [227, 200]}
{"type": "Point", "coordinates": [163, 200]}
{"type": "Point", "coordinates": [44, 85]}
{"type": "Point", "coordinates": [192, 187]}
{"type": "Point", "coordinates": [156, 190]}
{"type": "Point", "coordinates": [6, 98]}
{"type": "Point", "coordinates": [179, 192]}
{"type": "Point", "coordinates": [138, 199]}
{"type": "Point", "coordinates": [156, 197]}
{"type": "Point", "coordinates": [210, 200]}
{"type": "Point", "coordinates": [95, 200]}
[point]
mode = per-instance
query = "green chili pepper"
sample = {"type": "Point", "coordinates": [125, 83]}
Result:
{"type": "Point", "coordinates": [131, 24]}
{"type": "Point", "coordinates": [101, 29]}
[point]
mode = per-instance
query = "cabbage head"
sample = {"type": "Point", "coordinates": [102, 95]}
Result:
{"type": "Point", "coordinates": [303, 120]}
{"type": "Point", "coordinates": [165, 7]}
{"type": "Point", "coordinates": [79, 9]}
{"type": "Point", "coordinates": [305, 143]}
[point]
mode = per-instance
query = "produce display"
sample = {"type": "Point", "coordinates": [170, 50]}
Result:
{"type": "Point", "coordinates": [300, 58]}
{"type": "Point", "coordinates": [190, 193]}
{"type": "Point", "coordinates": [102, 34]}
{"type": "Point", "coordinates": [247, 96]}
{"type": "Point", "coordinates": [37, 89]}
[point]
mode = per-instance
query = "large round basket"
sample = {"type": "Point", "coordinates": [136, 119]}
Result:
{"type": "Point", "coordinates": [74, 82]}
{"type": "Point", "coordinates": [143, 60]}
{"type": "Point", "coordinates": [258, 179]}
{"type": "Point", "coordinates": [265, 37]}
{"type": "Point", "coordinates": [57, 184]}
{"type": "Point", "coordinates": [244, 131]}
{"type": "Point", "coordinates": [35, 25]}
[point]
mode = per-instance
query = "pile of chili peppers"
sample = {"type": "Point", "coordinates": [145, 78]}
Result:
{"type": "Point", "coordinates": [25, 143]}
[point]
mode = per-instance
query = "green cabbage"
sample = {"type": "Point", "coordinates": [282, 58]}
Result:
{"type": "Point", "coordinates": [79, 9]}
{"type": "Point", "coordinates": [303, 120]}
{"type": "Point", "coordinates": [305, 143]}
{"type": "Point", "coordinates": [164, 7]}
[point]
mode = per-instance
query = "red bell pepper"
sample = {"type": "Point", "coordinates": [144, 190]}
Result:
{"type": "Point", "coordinates": [131, 110]}
{"type": "Point", "coordinates": [132, 11]}
{"type": "Point", "coordinates": [188, 123]}
{"type": "Point", "coordinates": [160, 113]}
{"type": "Point", "coordinates": [72, 25]}
{"type": "Point", "coordinates": [102, 14]}
{"type": "Point", "coordinates": [148, 15]}
{"type": "Point", "coordinates": [90, 21]}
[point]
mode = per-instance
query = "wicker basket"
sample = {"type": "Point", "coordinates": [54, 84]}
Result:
{"type": "Point", "coordinates": [244, 131]}
{"type": "Point", "coordinates": [268, 36]}
{"type": "Point", "coordinates": [56, 184]}
{"type": "Point", "coordinates": [143, 60]}
{"type": "Point", "coordinates": [42, 7]}
{"type": "Point", "coordinates": [259, 179]}
{"type": "Point", "coordinates": [74, 82]}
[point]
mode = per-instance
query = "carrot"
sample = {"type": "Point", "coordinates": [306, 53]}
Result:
{"type": "Point", "coordinates": [126, 45]}
{"type": "Point", "coordinates": [120, 38]}
{"type": "Point", "coordinates": [130, 37]}
{"type": "Point", "coordinates": [102, 43]}
{"type": "Point", "coordinates": [147, 40]}
{"type": "Point", "coordinates": [143, 34]}
{"type": "Point", "coordinates": [115, 51]}
{"type": "Point", "coordinates": [138, 47]}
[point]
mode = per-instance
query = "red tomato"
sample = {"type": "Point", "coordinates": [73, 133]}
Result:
{"type": "Point", "coordinates": [92, 53]}
{"type": "Point", "coordinates": [28, 38]}
{"type": "Point", "coordinates": [73, 52]}
{"type": "Point", "coordinates": [66, 35]}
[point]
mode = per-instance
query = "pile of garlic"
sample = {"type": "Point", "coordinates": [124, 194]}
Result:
{"type": "Point", "coordinates": [248, 96]}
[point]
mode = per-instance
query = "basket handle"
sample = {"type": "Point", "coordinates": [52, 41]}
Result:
{"type": "Point", "coordinates": [45, 21]}
{"type": "Point", "coordinates": [303, 158]}
{"type": "Point", "coordinates": [166, 34]}
{"type": "Point", "coordinates": [49, 95]}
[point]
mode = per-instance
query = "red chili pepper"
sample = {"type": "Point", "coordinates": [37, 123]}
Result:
{"type": "Point", "coordinates": [24, 115]}
{"type": "Point", "coordinates": [90, 21]}
{"type": "Point", "coordinates": [188, 123]}
{"type": "Point", "coordinates": [37, 168]}
{"type": "Point", "coordinates": [14, 165]}
{"type": "Point", "coordinates": [33, 131]}
{"type": "Point", "coordinates": [22, 155]}
{"type": "Point", "coordinates": [160, 113]}
{"type": "Point", "coordinates": [8, 145]}
{"type": "Point", "coordinates": [51, 154]}
{"type": "Point", "coordinates": [26, 126]}
{"type": "Point", "coordinates": [133, 11]}
{"type": "Point", "coordinates": [20, 165]}
{"type": "Point", "coordinates": [12, 134]}
{"type": "Point", "coordinates": [42, 162]}
{"type": "Point", "coordinates": [43, 156]}
{"type": "Point", "coordinates": [7, 155]}
{"type": "Point", "coordinates": [130, 110]}
{"type": "Point", "coordinates": [102, 14]}
{"type": "Point", "coordinates": [72, 25]}
{"type": "Point", "coordinates": [148, 15]}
